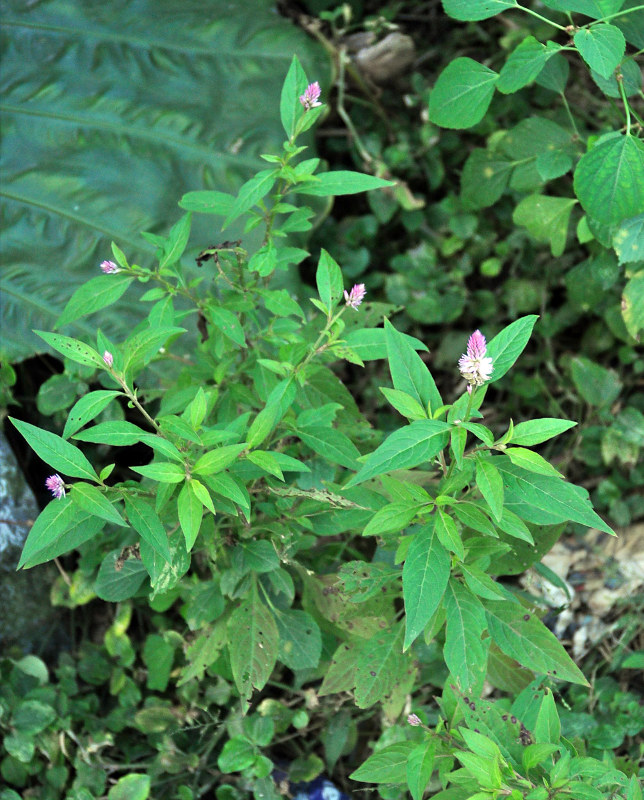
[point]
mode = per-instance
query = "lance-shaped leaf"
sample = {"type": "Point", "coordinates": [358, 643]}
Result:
{"type": "Point", "coordinates": [56, 452]}
{"type": "Point", "coordinates": [465, 652]}
{"type": "Point", "coordinates": [525, 638]}
{"type": "Point", "coordinates": [147, 524]}
{"type": "Point", "coordinates": [253, 645]}
{"type": "Point", "coordinates": [408, 447]}
{"type": "Point", "coordinates": [85, 409]}
{"type": "Point", "coordinates": [92, 500]}
{"type": "Point", "coordinates": [73, 349]}
{"type": "Point", "coordinates": [545, 500]}
{"type": "Point", "coordinates": [408, 371]}
{"type": "Point", "coordinates": [508, 344]}
{"type": "Point", "coordinates": [425, 576]}
{"type": "Point", "coordinates": [475, 10]}
{"type": "Point", "coordinates": [290, 107]}
{"type": "Point", "coordinates": [380, 665]}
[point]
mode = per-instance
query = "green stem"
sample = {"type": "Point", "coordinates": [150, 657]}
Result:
{"type": "Point", "coordinates": [543, 19]}
{"type": "Point", "coordinates": [618, 14]}
{"type": "Point", "coordinates": [315, 349]}
{"type": "Point", "coordinates": [570, 116]}
{"type": "Point", "coordinates": [627, 109]}
{"type": "Point", "coordinates": [133, 398]}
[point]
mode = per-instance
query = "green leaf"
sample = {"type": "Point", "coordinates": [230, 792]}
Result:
{"type": "Point", "coordinates": [291, 109]}
{"type": "Point", "coordinates": [481, 584]}
{"type": "Point", "coordinates": [161, 445]}
{"type": "Point", "coordinates": [425, 575]}
{"type": "Point", "coordinates": [546, 218]}
{"type": "Point", "coordinates": [490, 484]}
{"type": "Point", "coordinates": [92, 500]}
{"type": "Point", "coordinates": [190, 512]}
{"type": "Point", "coordinates": [147, 524]}
{"type": "Point", "coordinates": [531, 461]}
{"type": "Point", "coordinates": [256, 556]}
{"type": "Point", "coordinates": [300, 639]}
{"type": "Point", "coordinates": [76, 351]}
{"type": "Point", "coordinates": [475, 10]}
{"type": "Point", "coordinates": [631, 80]}
{"type": "Point", "coordinates": [525, 638]}
{"type": "Point", "coordinates": [379, 665]}
{"type": "Point", "coordinates": [251, 193]}
{"type": "Point", "coordinates": [524, 64]}
{"type": "Point", "coordinates": [391, 518]}
{"type": "Point", "coordinates": [339, 182]}
{"type": "Point", "coordinates": [544, 500]}
{"type": "Point", "coordinates": [597, 385]}
{"type": "Point", "coordinates": [114, 584]}
{"type": "Point", "coordinates": [237, 754]}
{"type": "Point", "coordinates": [31, 717]}
{"type": "Point", "coordinates": [228, 324]}
{"type": "Point", "coordinates": [633, 304]}
{"type": "Point", "coordinates": [547, 729]}
{"type": "Point", "coordinates": [448, 534]}
{"type": "Point", "coordinates": [117, 433]}
{"type": "Point", "coordinates": [158, 656]}
{"type": "Point", "coordinates": [507, 346]}
{"type": "Point", "coordinates": [628, 240]}
{"type": "Point", "coordinates": [514, 526]}
{"type": "Point", "coordinates": [141, 347]}
{"type": "Point", "coordinates": [267, 462]}
{"type": "Point", "coordinates": [370, 345]}
{"type": "Point", "coordinates": [462, 94]}
{"type": "Point", "coordinates": [60, 527]}
{"type": "Point", "coordinates": [253, 645]}
{"type": "Point", "coordinates": [408, 372]}
{"type": "Point", "coordinates": [332, 444]}
{"type": "Point", "coordinates": [208, 202]}
{"type": "Point", "coordinates": [591, 8]}
{"type": "Point", "coordinates": [176, 242]}
{"type": "Point", "coordinates": [96, 294]}
{"type": "Point", "coordinates": [484, 178]}
{"type": "Point", "coordinates": [601, 46]}
{"type": "Point", "coordinates": [388, 765]}
{"type": "Point", "coordinates": [162, 471]}
{"type": "Point", "coordinates": [536, 431]}
{"type": "Point", "coordinates": [131, 787]}
{"type": "Point", "coordinates": [224, 485]}
{"type": "Point", "coordinates": [86, 409]}
{"type": "Point", "coordinates": [405, 448]}
{"type": "Point", "coordinates": [420, 765]}
{"type": "Point", "coordinates": [609, 179]}
{"type": "Point", "coordinates": [202, 494]}
{"type": "Point", "coordinates": [465, 652]}
{"type": "Point", "coordinates": [328, 279]}
{"type": "Point", "coordinates": [554, 75]}
{"type": "Point", "coordinates": [404, 403]}
{"type": "Point", "coordinates": [56, 452]}
{"type": "Point", "coordinates": [217, 460]}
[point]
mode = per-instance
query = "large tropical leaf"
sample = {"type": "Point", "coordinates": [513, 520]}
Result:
{"type": "Point", "coordinates": [110, 112]}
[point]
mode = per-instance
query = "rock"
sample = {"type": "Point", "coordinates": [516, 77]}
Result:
{"type": "Point", "coordinates": [27, 618]}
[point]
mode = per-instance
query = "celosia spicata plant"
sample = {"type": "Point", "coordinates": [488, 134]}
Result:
{"type": "Point", "coordinates": [319, 550]}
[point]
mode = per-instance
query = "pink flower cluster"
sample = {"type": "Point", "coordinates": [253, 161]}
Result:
{"type": "Point", "coordinates": [355, 296]}
{"type": "Point", "coordinates": [474, 365]}
{"type": "Point", "coordinates": [311, 97]}
{"type": "Point", "coordinates": [56, 486]}
{"type": "Point", "coordinates": [109, 267]}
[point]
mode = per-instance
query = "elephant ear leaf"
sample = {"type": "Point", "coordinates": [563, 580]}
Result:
{"type": "Point", "coordinates": [111, 113]}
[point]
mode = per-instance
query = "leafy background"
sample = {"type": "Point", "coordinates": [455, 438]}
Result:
{"type": "Point", "coordinates": [112, 111]}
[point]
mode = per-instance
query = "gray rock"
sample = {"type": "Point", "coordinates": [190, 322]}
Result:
{"type": "Point", "coordinates": [26, 616]}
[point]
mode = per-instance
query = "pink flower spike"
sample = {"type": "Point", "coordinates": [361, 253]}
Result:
{"type": "Point", "coordinates": [355, 296]}
{"type": "Point", "coordinates": [56, 486]}
{"type": "Point", "coordinates": [414, 720]}
{"type": "Point", "coordinates": [108, 359]}
{"type": "Point", "coordinates": [311, 97]}
{"type": "Point", "coordinates": [474, 365]}
{"type": "Point", "coordinates": [109, 267]}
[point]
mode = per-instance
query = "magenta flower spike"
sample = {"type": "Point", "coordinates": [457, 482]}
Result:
{"type": "Point", "coordinates": [311, 97]}
{"type": "Point", "coordinates": [109, 267]}
{"type": "Point", "coordinates": [474, 365]}
{"type": "Point", "coordinates": [56, 486]}
{"type": "Point", "coordinates": [414, 720]}
{"type": "Point", "coordinates": [108, 359]}
{"type": "Point", "coordinates": [355, 296]}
